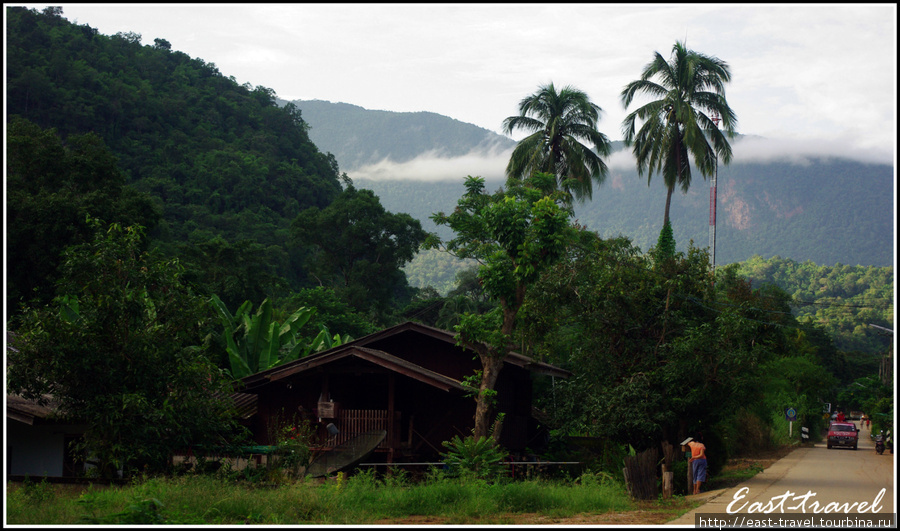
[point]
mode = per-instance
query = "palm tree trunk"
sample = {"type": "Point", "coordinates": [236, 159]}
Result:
{"type": "Point", "coordinates": [668, 203]}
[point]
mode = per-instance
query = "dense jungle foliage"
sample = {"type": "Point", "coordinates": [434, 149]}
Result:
{"type": "Point", "coordinates": [842, 299]}
{"type": "Point", "coordinates": [226, 168]}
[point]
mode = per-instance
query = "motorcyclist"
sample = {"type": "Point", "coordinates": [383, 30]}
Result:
{"type": "Point", "coordinates": [879, 442]}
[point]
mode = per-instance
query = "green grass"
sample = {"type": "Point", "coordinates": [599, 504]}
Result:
{"type": "Point", "coordinates": [360, 499]}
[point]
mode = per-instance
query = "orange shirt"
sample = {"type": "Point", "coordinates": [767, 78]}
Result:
{"type": "Point", "coordinates": [698, 450]}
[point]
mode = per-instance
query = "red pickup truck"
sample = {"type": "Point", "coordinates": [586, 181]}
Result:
{"type": "Point", "coordinates": [843, 434]}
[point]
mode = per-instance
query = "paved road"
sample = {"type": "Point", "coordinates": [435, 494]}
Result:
{"type": "Point", "coordinates": [837, 475]}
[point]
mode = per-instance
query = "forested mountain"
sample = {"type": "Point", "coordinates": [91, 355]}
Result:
{"type": "Point", "coordinates": [843, 299]}
{"type": "Point", "coordinates": [827, 210]}
{"type": "Point", "coordinates": [226, 167]}
{"type": "Point", "coordinates": [357, 136]}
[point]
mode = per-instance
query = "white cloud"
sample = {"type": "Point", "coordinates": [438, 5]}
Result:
{"type": "Point", "coordinates": [434, 167]}
{"type": "Point", "coordinates": [799, 70]}
{"type": "Point", "coordinates": [800, 150]}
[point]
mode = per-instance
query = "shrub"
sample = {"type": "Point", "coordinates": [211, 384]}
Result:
{"type": "Point", "coordinates": [480, 458]}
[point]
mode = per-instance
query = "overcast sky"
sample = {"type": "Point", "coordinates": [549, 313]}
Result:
{"type": "Point", "coordinates": [805, 75]}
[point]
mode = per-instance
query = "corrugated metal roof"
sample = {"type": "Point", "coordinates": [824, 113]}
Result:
{"type": "Point", "coordinates": [245, 403]}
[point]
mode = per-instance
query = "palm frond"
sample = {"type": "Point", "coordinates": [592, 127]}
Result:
{"type": "Point", "coordinates": [560, 121]}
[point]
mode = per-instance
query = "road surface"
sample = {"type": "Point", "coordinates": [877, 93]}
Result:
{"type": "Point", "coordinates": [809, 479]}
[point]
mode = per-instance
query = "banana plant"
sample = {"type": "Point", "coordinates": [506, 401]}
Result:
{"type": "Point", "coordinates": [257, 342]}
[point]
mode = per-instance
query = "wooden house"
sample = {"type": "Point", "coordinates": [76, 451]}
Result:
{"type": "Point", "coordinates": [406, 380]}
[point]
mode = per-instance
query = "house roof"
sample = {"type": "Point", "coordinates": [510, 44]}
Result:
{"type": "Point", "coordinates": [27, 411]}
{"type": "Point", "coordinates": [357, 348]}
{"type": "Point", "coordinates": [373, 356]}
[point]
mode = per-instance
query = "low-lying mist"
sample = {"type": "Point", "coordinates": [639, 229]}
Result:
{"type": "Point", "coordinates": [491, 164]}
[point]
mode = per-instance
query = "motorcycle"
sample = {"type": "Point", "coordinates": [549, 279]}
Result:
{"type": "Point", "coordinates": [879, 443]}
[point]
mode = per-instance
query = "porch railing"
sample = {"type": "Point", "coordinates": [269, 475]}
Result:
{"type": "Point", "coordinates": [352, 422]}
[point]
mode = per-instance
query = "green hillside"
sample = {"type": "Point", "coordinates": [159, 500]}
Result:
{"type": "Point", "coordinates": [224, 165]}
{"type": "Point", "coordinates": [358, 136]}
{"type": "Point", "coordinates": [830, 211]}
{"type": "Point", "coordinates": [827, 210]}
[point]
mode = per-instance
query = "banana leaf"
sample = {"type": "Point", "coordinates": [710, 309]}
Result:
{"type": "Point", "coordinates": [256, 334]}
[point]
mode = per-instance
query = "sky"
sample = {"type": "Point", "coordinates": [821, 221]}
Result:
{"type": "Point", "coordinates": [807, 78]}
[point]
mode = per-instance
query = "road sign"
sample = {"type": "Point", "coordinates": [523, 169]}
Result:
{"type": "Point", "coordinates": [790, 414]}
{"type": "Point", "coordinates": [804, 432]}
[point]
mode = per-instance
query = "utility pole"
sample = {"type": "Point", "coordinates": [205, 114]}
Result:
{"type": "Point", "coordinates": [886, 367]}
{"type": "Point", "coordinates": [712, 205]}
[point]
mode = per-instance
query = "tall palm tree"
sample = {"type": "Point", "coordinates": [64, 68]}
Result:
{"type": "Point", "coordinates": [691, 88]}
{"type": "Point", "coordinates": [559, 121]}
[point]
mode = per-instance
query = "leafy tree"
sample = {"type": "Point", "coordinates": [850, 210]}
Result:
{"type": "Point", "coordinates": [515, 235]}
{"type": "Point", "coordinates": [162, 44]}
{"type": "Point", "coordinates": [52, 186]}
{"type": "Point", "coordinates": [119, 350]}
{"type": "Point", "coordinates": [332, 313]}
{"type": "Point", "coordinates": [665, 246]}
{"type": "Point", "coordinates": [559, 121]}
{"type": "Point", "coordinates": [689, 86]}
{"type": "Point", "coordinates": [234, 272]}
{"type": "Point", "coordinates": [359, 248]}
{"type": "Point", "coordinates": [656, 350]}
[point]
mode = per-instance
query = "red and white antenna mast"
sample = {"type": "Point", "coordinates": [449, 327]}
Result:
{"type": "Point", "coordinates": [712, 204]}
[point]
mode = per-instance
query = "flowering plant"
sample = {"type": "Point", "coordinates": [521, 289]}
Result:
{"type": "Point", "coordinates": [293, 447]}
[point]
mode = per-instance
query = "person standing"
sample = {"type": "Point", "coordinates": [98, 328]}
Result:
{"type": "Point", "coordinates": [840, 416]}
{"type": "Point", "coordinates": [698, 461]}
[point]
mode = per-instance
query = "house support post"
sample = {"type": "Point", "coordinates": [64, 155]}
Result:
{"type": "Point", "coordinates": [390, 418]}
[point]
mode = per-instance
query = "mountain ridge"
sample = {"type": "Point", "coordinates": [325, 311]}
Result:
{"type": "Point", "coordinates": [829, 210]}
{"type": "Point", "coordinates": [356, 136]}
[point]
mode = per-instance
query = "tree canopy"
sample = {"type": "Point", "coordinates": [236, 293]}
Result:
{"type": "Point", "coordinates": [358, 248]}
{"type": "Point", "coordinates": [218, 159]}
{"type": "Point", "coordinates": [691, 91]}
{"type": "Point", "coordinates": [515, 235]}
{"type": "Point", "coordinates": [559, 121]}
{"type": "Point", "coordinates": [52, 188]}
{"type": "Point", "coordinates": [119, 349]}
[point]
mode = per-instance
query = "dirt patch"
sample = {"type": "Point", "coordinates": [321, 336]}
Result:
{"type": "Point", "coordinates": [738, 469]}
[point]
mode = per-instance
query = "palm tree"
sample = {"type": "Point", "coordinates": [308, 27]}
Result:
{"type": "Point", "coordinates": [558, 122]}
{"type": "Point", "coordinates": [691, 88]}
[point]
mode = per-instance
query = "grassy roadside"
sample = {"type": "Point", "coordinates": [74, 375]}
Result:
{"type": "Point", "coordinates": [360, 500]}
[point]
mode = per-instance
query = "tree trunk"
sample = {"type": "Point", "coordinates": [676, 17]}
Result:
{"type": "Point", "coordinates": [491, 366]}
{"type": "Point", "coordinates": [492, 363]}
{"type": "Point", "coordinates": [668, 203]}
